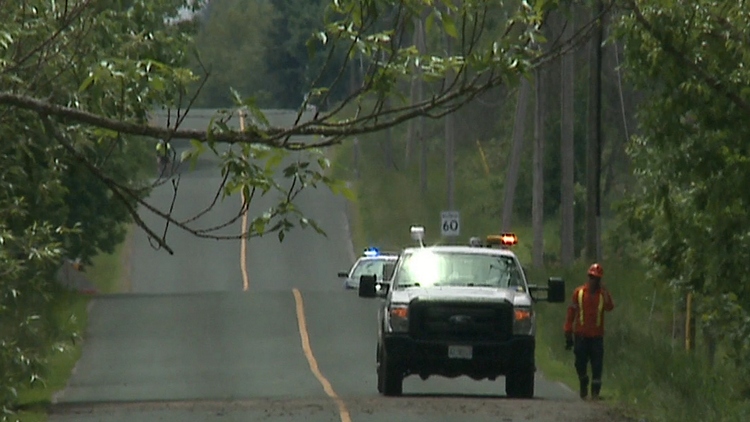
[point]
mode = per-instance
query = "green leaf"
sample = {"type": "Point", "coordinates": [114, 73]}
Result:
{"type": "Point", "coordinates": [429, 23]}
{"type": "Point", "coordinates": [450, 26]}
{"type": "Point", "coordinates": [256, 113]}
{"type": "Point", "coordinates": [275, 160]}
{"type": "Point", "coordinates": [86, 83]}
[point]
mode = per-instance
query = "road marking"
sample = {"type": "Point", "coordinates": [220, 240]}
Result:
{"type": "Point", "coordinates": [243, 249]}
{"type": "Point", "coordinates": [243, 241]}
{"type": "Point", "coordinates": [305, 338]}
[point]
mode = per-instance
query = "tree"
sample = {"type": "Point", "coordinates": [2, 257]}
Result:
{"type": "Point", "coordinates": [567, 150]}
{"type": "Point", "coordinates": [691, 155]}
{"type": "Point", "coordinates": [292, 69]}
{"type": "Point", "coordinates": [416, 127]}
{"type": "Point", "coordinates": [511, 177]}
{"type": "Point", "coordinates": [232, 41]}
{"type": "Point", "coordinates": [537, 202]}
{"type": "Point", "coordinates": [76, 56]}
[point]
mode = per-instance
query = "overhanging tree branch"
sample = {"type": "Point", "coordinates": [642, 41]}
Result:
{"type": "Point", "coordinates": [114, 187]}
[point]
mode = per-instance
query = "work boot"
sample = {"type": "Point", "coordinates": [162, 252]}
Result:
{"type": "Point", "coordinates": [584, 390]}
{"type": "Point", "coordinates": [596, 387]}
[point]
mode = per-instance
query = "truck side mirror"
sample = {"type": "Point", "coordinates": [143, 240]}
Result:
{"type": "Point", "coordinates": [555, 290]}
{"type": "Point", "coordinates": [367, 286]}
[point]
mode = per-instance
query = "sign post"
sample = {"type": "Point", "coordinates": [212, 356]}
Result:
{"type": "Point", "coordinates": [450, 223]}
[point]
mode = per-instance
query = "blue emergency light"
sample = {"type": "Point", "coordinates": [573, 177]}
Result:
{"type": "Point", "coordinates": [372, 251]}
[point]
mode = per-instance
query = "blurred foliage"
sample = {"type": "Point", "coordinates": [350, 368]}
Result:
{"type": "Point", "coordinates": [111, 58]}
{"type": "Point", "coordinates": [691, 156]}
{"type": "Point", "coordinates": [232, 39]}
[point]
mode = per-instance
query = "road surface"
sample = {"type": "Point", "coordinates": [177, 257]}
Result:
{"type": "Point", "coordinates": [189, 343]}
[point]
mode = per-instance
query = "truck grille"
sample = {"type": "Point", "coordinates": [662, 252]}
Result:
{"type": "Point", "coordinates": [458, 321]}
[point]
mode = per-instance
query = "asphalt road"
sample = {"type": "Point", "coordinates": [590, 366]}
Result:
{"type": "Point", "coordinates": [188, 343]}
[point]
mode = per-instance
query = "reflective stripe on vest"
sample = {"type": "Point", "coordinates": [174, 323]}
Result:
{"type": "Point", "coordinates": [600, 308]}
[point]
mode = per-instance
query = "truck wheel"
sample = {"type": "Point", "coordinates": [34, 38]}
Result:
{"type": "Point", "coordinates": [520, 384]}
{"type": "Point", "coordinates": [390, 378]}
{"type": "Point", "coordinates": [377, 366]}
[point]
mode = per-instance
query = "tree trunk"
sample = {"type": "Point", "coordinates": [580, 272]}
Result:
{"type": "Point", "coordinates": [567, 154]}
{"type": "Point", "coordinates": [422, 159]}
{"type": "Point", "coordinates": [353, 77]}
{"type": "Point", "coordinates": [593, 147]}
{"type": "Point", "coordinates": [415, 126]}
{"type": "Point", "coordinates": [450, 160]}
{"type": "Point", "coordinates": [711, 343]}
{"type": "Point", "coordinates": [356, 158]}
{"type": "Point", "coordinates": [390, 163]}
{"type": "Point", "coordinates": [419, 121]}
{"type": "Point", "coordinates": [514, 165]}
{"type": "Point", "coordinates": [537, 203]}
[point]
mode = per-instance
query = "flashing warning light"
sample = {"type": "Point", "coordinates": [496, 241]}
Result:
{"type": "Point", "coordinates": [372, 252]}
{"type": "Point", "coordinates": [505, 239]}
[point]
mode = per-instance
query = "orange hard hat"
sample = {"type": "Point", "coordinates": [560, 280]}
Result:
{"type": "Point", "coordinates": [596, 270]}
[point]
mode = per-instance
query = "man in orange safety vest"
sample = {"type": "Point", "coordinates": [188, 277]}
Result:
{"type": "Point", "coordinates": [584, 329]}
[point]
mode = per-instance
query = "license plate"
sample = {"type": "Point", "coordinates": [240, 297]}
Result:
{"type": "Point", "coordinates": [459, 352]}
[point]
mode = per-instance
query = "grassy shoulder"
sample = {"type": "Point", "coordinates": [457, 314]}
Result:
{"type": "Point", "coordinates": [648, 373]}
{"type": "Point", "coordinates": [108, 273]}
{"type": "Point", "coordinates": [72, 317]}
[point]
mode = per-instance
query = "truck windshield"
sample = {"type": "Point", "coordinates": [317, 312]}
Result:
{"type": "Point", "coordinates": [438, 268]}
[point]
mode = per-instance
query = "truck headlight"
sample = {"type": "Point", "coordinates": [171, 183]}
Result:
{"type": "Point", "coordinates": [398, 316]}
{"type": "Point", "coordinates": [523, 321]}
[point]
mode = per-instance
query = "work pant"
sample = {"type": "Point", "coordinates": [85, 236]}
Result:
{"type": "Point", "coordinates": [589, 350]}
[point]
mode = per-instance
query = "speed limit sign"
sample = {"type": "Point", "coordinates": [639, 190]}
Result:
{"type": "Point", "coordinates": [450, 223]}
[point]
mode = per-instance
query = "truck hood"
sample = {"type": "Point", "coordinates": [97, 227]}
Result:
{"type": "Point", "coordinates": [460, 294]}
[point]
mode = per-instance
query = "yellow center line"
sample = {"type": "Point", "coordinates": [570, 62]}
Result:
{"type": "Point", "coordinates": [243, 250]}
{"type": "Point", "coordinates": [305, 338]}
{"type": "Point", "coordinates": [243, 241]}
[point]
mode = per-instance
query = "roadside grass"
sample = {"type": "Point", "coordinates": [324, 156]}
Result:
{"type": "Point", "coordinates": [106, 271]}
{"type": "Point", "coordinates": [71, 315]}
{"type": "Point", "coordinates": [648, 374]}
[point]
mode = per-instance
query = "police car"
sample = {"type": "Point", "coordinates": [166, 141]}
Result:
{"type": "Point", "coordinates": [458, 310]}
{"type": "Point", "coordinates": [372, 262]}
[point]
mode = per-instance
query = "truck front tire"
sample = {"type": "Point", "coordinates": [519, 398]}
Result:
{"type": "Point", "coordinates": [390, 377]}
{"type": "Point", "coordinates": [520, 384]}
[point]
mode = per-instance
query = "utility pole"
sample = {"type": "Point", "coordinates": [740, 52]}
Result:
{"type": "Point", "coordinates": [537, 202]}
{"type": "Point", "coordinates": [450, 160]}
{"type": "Point", "coordinates": [514, 164]}
{"type": "Point", "coordinates": [593, 155]}
{"type": "Point", "coordinates": [567, 149]}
